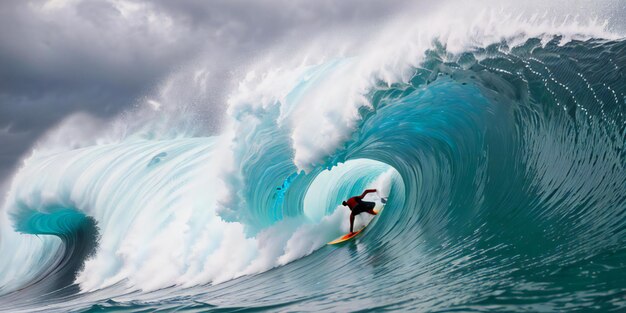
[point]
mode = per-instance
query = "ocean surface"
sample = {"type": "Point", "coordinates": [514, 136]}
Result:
{"type": "Point", "coordinates": [503, 161]}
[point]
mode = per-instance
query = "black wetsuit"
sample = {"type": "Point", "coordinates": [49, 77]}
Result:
{"type": "Point", "coordinates": [363, 206]}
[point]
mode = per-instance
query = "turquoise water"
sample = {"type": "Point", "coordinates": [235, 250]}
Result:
{"type": "Point", "coordinates": [503, 166]}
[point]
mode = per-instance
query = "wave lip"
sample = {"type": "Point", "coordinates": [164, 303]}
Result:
{"type": "Point", "coordinates": [78, 234]}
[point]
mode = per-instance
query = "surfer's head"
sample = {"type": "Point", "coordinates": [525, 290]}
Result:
{"type": "Point", "coordinates": [344, 203]}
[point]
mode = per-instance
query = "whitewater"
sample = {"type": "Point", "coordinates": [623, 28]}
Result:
{"type": "Point", "coordinates": [498, 138]}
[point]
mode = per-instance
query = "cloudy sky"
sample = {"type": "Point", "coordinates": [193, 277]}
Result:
{"type": "Point", "coordinates": [101, 58]}
{"type": "Point", "coordinates": [59, 58]}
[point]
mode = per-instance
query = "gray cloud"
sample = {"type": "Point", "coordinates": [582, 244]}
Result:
{"type": "Point", "coordinates": [79, 58]}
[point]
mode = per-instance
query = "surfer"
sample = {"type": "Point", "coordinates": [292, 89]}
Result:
{"type": "Point", "coordinates": [358, 206]}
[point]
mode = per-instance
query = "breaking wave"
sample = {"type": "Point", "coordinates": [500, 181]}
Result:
{"type": "Point", "coordinates": [503, 164]}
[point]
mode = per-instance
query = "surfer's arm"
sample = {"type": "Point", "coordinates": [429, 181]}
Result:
{"type": "Point", "coordinates": [366, 192]}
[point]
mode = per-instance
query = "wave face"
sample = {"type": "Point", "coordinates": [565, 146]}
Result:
{"type": "Point", "coordinates": [504, 167]}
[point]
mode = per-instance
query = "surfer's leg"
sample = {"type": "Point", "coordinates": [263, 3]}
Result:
{"type": "Point", "coordinates": [371, 211]}
{"type": "Point", "coordinates": [351, 221]}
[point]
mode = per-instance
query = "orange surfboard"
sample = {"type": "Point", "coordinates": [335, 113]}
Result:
{"type": "Point", "coordinates": [346, 237]}
{"type": "Point", "coordinates": [349, 236]}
